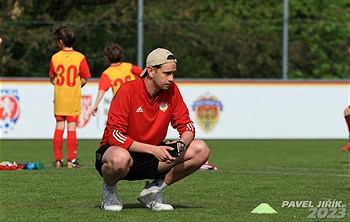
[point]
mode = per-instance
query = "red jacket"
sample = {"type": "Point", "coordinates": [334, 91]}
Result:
{"type": "Point", "coordinates": [134, 116]}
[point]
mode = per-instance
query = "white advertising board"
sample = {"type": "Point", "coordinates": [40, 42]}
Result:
{"type": "Point", "coordinates": [220, 109]}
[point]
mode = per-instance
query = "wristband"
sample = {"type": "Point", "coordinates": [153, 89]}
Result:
{"type": "Point", "coordinates": [183, 145]}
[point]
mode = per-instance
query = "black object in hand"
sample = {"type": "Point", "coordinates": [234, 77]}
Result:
{"type": "Point", "coordinates": [179, 146]}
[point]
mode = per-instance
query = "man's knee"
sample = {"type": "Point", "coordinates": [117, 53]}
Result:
{"type": "Point", "coordinates": [200, 147]}
{"type": "Point", "coordinates": [117, 160]}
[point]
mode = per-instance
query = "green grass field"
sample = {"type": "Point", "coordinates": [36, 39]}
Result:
{"type": "Point", "coordinates": [250, 172]}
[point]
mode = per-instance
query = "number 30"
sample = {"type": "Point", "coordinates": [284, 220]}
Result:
{"type": "Point", "coordinates": [69, 78]}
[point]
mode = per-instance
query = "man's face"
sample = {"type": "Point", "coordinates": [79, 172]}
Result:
{"type": "Point", "coordinates": [164, 76]}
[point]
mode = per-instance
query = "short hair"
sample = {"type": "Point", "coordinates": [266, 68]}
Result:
{"type": "Point", "coordinates": [114, 53]}
{"type": "Point", "coordinates": [66, 34]}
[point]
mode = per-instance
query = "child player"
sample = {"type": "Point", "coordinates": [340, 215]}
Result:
{"type": "Point", "coordinates": [116, 74]}
{"type": "Point", "coordinates": [68, 73]}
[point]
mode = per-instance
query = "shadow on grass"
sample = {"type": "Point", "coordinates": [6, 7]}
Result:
{"type": "Point", "coordinates": [344, 162]}
{"type": "Point", "coordinates": [139, 206]}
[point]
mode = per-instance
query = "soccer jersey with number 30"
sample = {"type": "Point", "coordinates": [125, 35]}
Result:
{"type": "Point", "coordinates": [67, 67]}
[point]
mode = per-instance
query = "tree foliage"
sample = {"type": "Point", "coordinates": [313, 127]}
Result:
{"type": "Point", "coordinates": [211, 39]}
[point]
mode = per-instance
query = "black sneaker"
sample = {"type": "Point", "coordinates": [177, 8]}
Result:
{"type": "Point", "coordinates": [58, 164]}
{"type": "Point", "coordinates": [73, 164]}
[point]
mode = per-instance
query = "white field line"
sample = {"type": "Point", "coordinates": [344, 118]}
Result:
{"type": "Point", "coordinates": [274, 171]}
{"type": "Point", "coordinates": [282, 171]}
{"type": "Point", "coordinates": [302, 168]}
{"type": "Point", "coordinates": [64, 166]}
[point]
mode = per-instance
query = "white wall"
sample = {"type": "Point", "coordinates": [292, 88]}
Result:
{"type": "Point", "coordinates": [250, 109]}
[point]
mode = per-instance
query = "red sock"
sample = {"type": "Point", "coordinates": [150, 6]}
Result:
{"type": "Point", "coordinates": [347, 119]}
{"type": "Point", "coordinates": [57, 143]}
{"type": "Point", "coordinates": [72, 145]}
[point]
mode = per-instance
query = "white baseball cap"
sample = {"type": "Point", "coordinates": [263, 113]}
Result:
{"type": "Point", "coordinates": [158, 56]}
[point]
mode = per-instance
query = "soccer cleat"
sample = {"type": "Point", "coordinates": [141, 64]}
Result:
{"type": "Point", "coordinates": [346, 148]}
{"type": "Point", "coordinates": [58, 164]}
{"type": "Point", "coordinates": [72, 164]}
{"type": "Point", "coordinates": [151, 197]}
{"type": "Point", "coordinates": [110, 200]}
{"type": "Point", "coordinates": [208, 166]}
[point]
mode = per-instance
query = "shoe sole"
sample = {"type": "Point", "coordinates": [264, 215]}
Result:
{"type": "Point", "coordinates": [111, 208]}
{"type": "Point", "coordinates": [169, 207]}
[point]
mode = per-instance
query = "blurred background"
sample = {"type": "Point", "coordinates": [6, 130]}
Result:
{"type": "Point", "coordinates": [211, 38]}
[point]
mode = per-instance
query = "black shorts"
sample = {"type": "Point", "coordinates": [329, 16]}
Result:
{"type": "Point", "coordinates": [145, 165]}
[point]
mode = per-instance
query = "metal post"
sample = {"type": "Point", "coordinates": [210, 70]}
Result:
{"type": "Point", "coordinates": [285, 40]}
{"type": "Point", "coordinates": [140, 34]}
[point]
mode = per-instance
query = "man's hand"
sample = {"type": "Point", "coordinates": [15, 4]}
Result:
{"type": "Point", "coordinates": [162, 153]}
